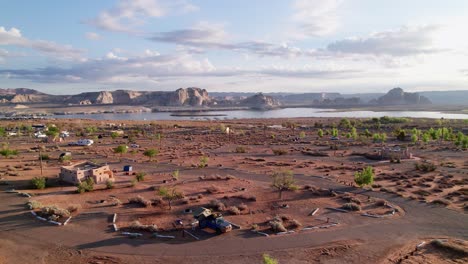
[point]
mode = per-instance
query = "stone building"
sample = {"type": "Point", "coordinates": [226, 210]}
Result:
{"type": "Point", "coordinates": [78, 172]}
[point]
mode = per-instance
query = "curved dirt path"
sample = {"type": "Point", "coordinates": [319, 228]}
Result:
{"type": "Point", "coordinates": [420, 220]}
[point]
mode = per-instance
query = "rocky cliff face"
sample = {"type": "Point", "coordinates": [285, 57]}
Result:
{"type": "Point", "coordinates": [180, 97]}
{"type": "Point", "coordinates": [260, 101]}
{"type": "Point", "coordinates": [397, 96]}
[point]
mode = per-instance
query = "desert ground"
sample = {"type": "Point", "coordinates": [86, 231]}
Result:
{"type": "Point", "coordinates": [414, 211]}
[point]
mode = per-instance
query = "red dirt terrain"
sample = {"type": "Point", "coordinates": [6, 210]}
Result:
{"type": "Point", "coordinates": [404, 206]}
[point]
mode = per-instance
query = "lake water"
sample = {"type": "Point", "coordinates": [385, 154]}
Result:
{"type": "Point", "coordinates": [277, 113]}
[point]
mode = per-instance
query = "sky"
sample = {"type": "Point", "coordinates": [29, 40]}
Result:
{"type": "Point", "coordinates": [346, 46]}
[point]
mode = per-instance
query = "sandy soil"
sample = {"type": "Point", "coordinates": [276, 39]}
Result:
{"type": "Point", "coordinates": [238, 174]}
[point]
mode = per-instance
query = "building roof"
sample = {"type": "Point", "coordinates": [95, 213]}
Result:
{"type": "Point", "coordinates": [84, 165]}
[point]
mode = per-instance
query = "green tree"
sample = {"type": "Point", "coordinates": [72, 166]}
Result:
{"type": "Point", "coordinates": [114, 135]}
{"type": "Point", "coordinates": [302, 134]}
{"type": "Point", "coordinates": [53, 132]}
{"type": "Point", "coordinates": [345, 123]}
{"type": "Point", "coordinates": [354, 133]}
{"type": "Point", "coordinates": [320, 132]}
{"type": "Point", "coordinates": [122, 149]}
{"type": "Point", "coordinates": [335, 132]}
{"type": "Point", "coordinates": [283, 181]}
{"type": "Point", "coordinates": [150, 153]}
{"type": "Point", "coordinates": [414, 138]}
{"type": "Point", "coordinates": [170, 195]}
{"type": "Point", "coordinates": [366, 177]}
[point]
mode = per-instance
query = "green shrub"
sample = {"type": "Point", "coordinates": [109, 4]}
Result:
{"type": "Point", "coordinates": [269, 260]}
{"type": "Point", "coordinates": [109, 184]}
{"type": "Point", "coordinates": [240, 149]}
{"type": "Point", "coordinates": [140, 176]}
{"type": "Point", "coordinates": [86, 186]}
{"type": "Point", "coordinates": [39, 182]}
{"type": "Point", "coordinates": [366, 177]}
{"type": "Point", "coordinates": [351, 207]}
{"type": "Point", "coordinates": [280, 152]}
{"type": "Point", "coordinates": [44, 157]}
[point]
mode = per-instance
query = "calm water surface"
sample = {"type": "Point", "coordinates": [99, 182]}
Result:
{"type": "Point", "coordinates": [278, 113]}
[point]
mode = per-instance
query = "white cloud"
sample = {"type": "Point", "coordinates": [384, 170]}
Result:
{"type": "Point", "coordinates": [316, 17]}
{"type": "Point", "coordinates": [127, 15]}
{"type": "Point", "coordinates": [213, 36]}
{"type": "Point", "coordinates": [92, 36]}
{"type": "Point", "coordinates": [405, 41]}
{"type": "Point", "coordinates": [13, 37]}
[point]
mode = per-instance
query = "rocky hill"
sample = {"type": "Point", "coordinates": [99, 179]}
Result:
{"type": "Point", "coordinates": [181, 97]}
{"type": "Point", "coordinates": [260, 101]}
{"type": "Point", "coordinates": [397, 96]}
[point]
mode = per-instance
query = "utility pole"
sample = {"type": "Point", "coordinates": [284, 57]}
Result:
{"type": "Point", "coordinates": [40, 159]}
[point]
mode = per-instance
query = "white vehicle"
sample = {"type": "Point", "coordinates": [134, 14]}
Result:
{"type": "Point", "coordinates": [39, 135]}
{"type": "Point", "coordinates": [82, 142]}
{"type": "Point", "coordinates": [64, 134]}
{"type": "Point", "coordinates": [134, 146]}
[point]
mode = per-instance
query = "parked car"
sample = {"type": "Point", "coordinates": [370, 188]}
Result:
{"type": "Point", "coordinates": [82, 142]}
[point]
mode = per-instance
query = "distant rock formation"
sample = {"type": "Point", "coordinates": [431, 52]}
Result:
{"type": "Point", "coordinates": [397, 96]}
{"type": "Point", "coordinates": [260, 101]}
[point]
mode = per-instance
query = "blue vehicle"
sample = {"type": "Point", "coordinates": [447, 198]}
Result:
{"type": "Point", "coordinates": [207, 219]}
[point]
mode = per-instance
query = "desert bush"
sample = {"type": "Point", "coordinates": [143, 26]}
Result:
{"type": "Point", "coordinates": [53, 210]}
{"type": "Point", "coordinates": [140, 200]}
{"type": "Point", "coordinates": [140, 176]}
{"type": "Point", "coordinates": [115, 201]}
{"type": "Point", "coordinates": [136, 225]}
{"type": "Point", "coordinates": [422, 192]}
{"type": "Point", "coordinates": [458, 249]}
{"type": "Point", "coordinates": [351, 199]}
{"type": "Point", "coordinates": [425, 166]}
{"type": "Point", "coordinates": [365, 177]}
{"type": "Point", "coordinates": [156, 201]}
{"type": "Point", "coordinates": [441, 202]}
{"type": "Point", "coordinates": [240, 149]}
{"type": "Point", "coordinates": [380, 202]}
{"type": "Point", "coordinates": [203, 162]}
{"type": "Point", "coordinates": [234, 210]}
{"type": "Point", "coordinates": [39, 182]}
{"type": "Point", "coordinates": [242, 207]}
{"type": "Point", "coordinates": [295, 223]}
{"type": "Point", "coordinates": [279, 152]}
{"type": "Point", "coordinates": [110, 184]}
{"type": "Point", "coordinates": [351, 207]}
{"type": "Point", "coordinates": [73, 208]}
{"type": "Point", "coordinates": [247, 197]}
{"type": "Point", "coordinates": [175, 175]}
{"type": "Point", "coordinates": [213, 189]}
{"type": "Point", "coordinates": [33, 205]}
{"type": "Point", "coordinates": [44, 157]}
{"type": "Point", "coordinates": [230, 177]}
{"type": "Point", "coordinates": [217, 205]}
{"type": "Point", "coordinates": [255, 227]}
{"type": "Point", "coordinates": [86, 186]}
{"type": "Point", "coordinates": [133, 183]}
{"type": "Point", "coordinates": [277, 226]}
{"type": "Point", "coordinates": [269, 260]}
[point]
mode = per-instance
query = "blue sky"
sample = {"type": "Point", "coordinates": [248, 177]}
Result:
{"type": "Point", "coordinates": [347, 46]}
